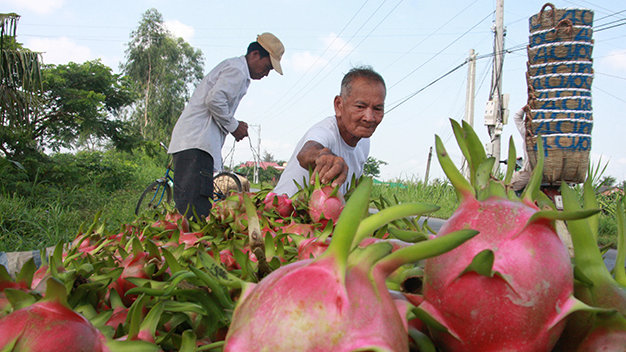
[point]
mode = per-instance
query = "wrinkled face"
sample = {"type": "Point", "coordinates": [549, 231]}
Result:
{"type": "Point", "coordinates": [361, 110]}
{"type": "Point", "coordinates": [259, 67]}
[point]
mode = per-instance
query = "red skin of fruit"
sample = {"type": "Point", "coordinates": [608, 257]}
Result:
{"type": "Point", "coordinates": [510, 310]}
{"type": "Point", "coordinates": [284, 206]}
{"type": "Point", "coordinates": [49, 326]}
{"type": "Point", "coordinates": [323, 207]}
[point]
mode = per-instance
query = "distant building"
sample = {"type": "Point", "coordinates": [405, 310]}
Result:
{"type": "Point", "coordinates": [608, 190]}
{"type": "Point", "coordinates": [263, 165]}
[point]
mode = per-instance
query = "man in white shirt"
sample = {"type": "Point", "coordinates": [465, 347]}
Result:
{"type": "Point", "coordinates": [201, 129]}
{"type": "Point", "coordinates": [337, 147]}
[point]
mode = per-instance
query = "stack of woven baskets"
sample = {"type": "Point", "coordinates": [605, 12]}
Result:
{"type": "Point", "coordinates": [559, 80]}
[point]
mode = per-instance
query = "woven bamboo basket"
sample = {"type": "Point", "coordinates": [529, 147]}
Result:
{"type": "Point", "coordinates": [561, 165]}
{"type": "Point", "coordinates": [564, 31]}
{"type": "Point", "coordinates": [549, 17]}
{"type": "Point", "coordinates": [228, 185]}
{"type": "Point", "coordinates": [562, 126]}
{"type": "Point", "coordinates": [571, 103]}
{"type": "Point", "coordinates": [561, 80]}
{"type": "Point", "coordinates": [560, 67]}
{"type": "Point", "coordinates": [557, 93]}
{"type": "Point", "coordinates": [560, 51]}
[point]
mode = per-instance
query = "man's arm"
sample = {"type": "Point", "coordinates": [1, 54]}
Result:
{"type": "Point", "coordinates": [219, 99]}
{"type": "Point", "coordinates": [329, 166]}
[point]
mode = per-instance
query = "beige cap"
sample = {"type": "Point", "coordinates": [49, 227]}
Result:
{"type": "Point", "coordinates": [273, 46]}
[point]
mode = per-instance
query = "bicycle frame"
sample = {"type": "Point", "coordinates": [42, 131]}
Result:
{"type": "Point", "coordinates": [161, 192]}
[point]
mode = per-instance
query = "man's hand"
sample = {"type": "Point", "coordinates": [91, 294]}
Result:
{"type": "Point", "coordinates": [327, 165]}
{"type": "Point", "coordinates": [241, 132]}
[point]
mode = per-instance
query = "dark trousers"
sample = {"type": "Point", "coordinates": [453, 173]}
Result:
{"type": "Point", "coordinates": [193, 182]}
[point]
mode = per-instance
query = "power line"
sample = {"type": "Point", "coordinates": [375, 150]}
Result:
{"type": "Point", "coordinates": [428, 85]}
{"type": "Point", "coordinates": [356, 46]}
{"type": "Point", "coordinates": [432, 33]}
{"type": "Point", "coordinates": [321, 55]}
{"type": "Point", "coordinates": [442, 50]}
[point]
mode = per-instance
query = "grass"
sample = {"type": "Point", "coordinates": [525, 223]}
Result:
{"type": "Point", "coordinates": [40, 213]}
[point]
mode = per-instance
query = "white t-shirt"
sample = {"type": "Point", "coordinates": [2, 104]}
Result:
{"type": "Point", "coordinates": [326, 133]}
{"type": "Point", "coordinates": [209, 115]}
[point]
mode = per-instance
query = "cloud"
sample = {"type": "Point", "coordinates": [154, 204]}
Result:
{"type": "Point", "coordinates": [336, 45]}
{"type": "Point", "coordinates": [37, 6]}
{"type": "Point", "coordinates": [59, 50]}
{"type": "Point", "coordinates": [306, 61]}
{"type": "Point", "coordinates": [180, 29]}
{"type": "Point", "coordinates": [616, 59]}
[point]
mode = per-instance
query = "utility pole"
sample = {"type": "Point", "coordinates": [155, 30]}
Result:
{"type": "Point", "coordinates": [469, 98]}
{"type": "Point", "coordinates": [495, 116]}
{"type": "Point", "coordinates": [470, 91]}
{"type": "Point", "coordinates": [430, 155]}
{"type": "Point", "coordinates": [256, 155]}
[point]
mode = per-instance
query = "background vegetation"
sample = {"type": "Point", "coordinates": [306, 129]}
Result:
{"type": "Point", "coordinates": [77, 140]}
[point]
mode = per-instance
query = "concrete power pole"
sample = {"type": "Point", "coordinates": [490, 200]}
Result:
{"type": "Point", "coordinates": [495, 112]}
{"type": "Point", "coordinates": [430, 156]}
{"type": "Point", "coordinates": [471, 90]}
{"type": "Point", "coordinates": [469, 99]}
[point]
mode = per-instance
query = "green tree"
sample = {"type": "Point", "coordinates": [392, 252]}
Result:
{"type": "Point", "coordinates": [83, 106]}
{"type": "Point", "coordinates": [164, 69]}
{"type": "Point", "coordinates": [20, 87]}
{"type": "Point", "coordinates": [372, 167]}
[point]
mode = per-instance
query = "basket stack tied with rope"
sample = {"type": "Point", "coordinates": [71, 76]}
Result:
{"type": "Point", "coordinates": [559, 78]}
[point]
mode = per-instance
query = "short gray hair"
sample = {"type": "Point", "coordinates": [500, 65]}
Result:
{"type": "Point", "coordinates": [366, 72]}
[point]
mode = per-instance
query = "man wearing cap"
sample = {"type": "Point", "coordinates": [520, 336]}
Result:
{"type": "Point", "coordinates": [201, 129]}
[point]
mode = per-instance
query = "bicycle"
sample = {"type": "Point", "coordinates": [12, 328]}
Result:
{"type": "Point", "coordinates": [159, 192]}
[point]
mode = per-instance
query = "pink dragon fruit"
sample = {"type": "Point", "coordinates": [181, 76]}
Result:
{"type": "Point", "coordinates": [325, 204]}
{"type": "Point", "coordinates": [510, 287]}
{"type": "Point", "coordinates": [281, 203]}
{"type": "Point", "coordinates": [49, 325]}
{"type": "Point", "coordinates": [338, 301]}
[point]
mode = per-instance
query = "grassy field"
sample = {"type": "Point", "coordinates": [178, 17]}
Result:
{"type": "Point", "coordinates": [40, 208]}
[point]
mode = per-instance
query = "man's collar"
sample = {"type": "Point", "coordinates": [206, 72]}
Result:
{"type": "Point", "coordinates": [243, 57]}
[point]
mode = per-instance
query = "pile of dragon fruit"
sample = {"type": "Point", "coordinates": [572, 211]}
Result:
{"type": "Point", "coordinates": [321, 271]}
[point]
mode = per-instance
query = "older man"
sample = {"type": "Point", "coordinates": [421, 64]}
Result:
{"type": "Point", "coordinates": [337, 147]}
{"type": "Point", "coordinates": [200, 131]}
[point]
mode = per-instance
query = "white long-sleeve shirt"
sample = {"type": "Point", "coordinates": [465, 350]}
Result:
{"type": "Point", "coordinates": [209, 115]}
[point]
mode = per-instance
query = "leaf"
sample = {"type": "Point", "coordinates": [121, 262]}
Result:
{"type": "Point", "coordinates": [482, 263]}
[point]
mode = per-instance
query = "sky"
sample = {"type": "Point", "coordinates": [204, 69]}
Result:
{"type": "Point", "coordinates": [411, 43]}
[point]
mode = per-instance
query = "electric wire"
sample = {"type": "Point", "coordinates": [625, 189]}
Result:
{"type": "Point", "coordinates": [431, 34]}
{"type": "Point", "coordinates": [337, 65]}
{"type": "Point", "coordinates": [322, 54]}
{"type": "Point", "coordinates": [442, 50]}
{"type": "Point", "coordinates": [293, 100]}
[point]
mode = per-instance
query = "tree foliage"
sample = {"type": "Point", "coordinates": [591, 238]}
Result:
{"type": "Point", "coordinates": [83, 102]}
{"type": "Point", "coordinates": [20, 86]}
{"type": "Point", "coordinates": [49, 107]}
{"type": "Point", "coordinates": [164, 70]}
{"type": "Point", "coordinates": [372, 167]}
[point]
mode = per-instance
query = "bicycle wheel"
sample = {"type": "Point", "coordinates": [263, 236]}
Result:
{"type": "Point", "coordinates": [154, 196]}
{"type": "Point", "coordinates": [224, 183]}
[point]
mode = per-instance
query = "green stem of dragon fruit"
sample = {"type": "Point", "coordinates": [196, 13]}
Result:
{"type": "Point", "coordinates": [347, 226]}
{"type": "Point", "coordinates": [385, 216]}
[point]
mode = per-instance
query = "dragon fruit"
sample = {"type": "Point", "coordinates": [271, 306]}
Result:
{"type": "Point", "coordinates": [510, 287]}
{"type": "Point", "coordinates": [280, 203]}
{"type": "Point", "coordinates": [325, 204]}
{"type": "Point", "coordinates": [49, 325]}
{"type": "Point", "coordinates": [337, 301]}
